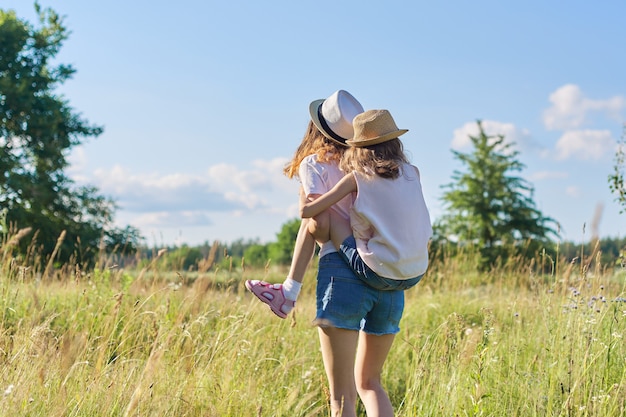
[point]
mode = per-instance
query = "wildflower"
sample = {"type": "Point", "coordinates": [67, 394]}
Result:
{"type": "Point", "coordinates": [308, 375]}
{"type": "Point", "coordinates": [9, 389]}
{"type": "Point", "coordinates": [600, 398]}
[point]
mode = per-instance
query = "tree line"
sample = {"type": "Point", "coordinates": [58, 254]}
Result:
{"type": "Point", "coordinates": [241, 253]}
{"type": "Point", "coordinates": [44, 215]}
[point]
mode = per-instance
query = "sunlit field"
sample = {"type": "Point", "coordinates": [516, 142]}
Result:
{"type": "Point", "coordinates": [149, 342]}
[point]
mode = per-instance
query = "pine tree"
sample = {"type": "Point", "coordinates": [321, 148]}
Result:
{"type": "Point", "coordinates": [488, 205]}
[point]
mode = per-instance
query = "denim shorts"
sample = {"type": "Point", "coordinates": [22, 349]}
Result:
{"type": "Point", "coordinates": [351, 256]}
{"type": "Point", "coordinates": [345, 301]}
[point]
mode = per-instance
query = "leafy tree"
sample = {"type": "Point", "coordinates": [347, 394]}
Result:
{"type": "Point", "coordinates": [256, 255]}
{"type": "Point", "coordinates": [489, 207]}
{"type": "Point", "coordinates": [185, 258]}
{"type": "Point", "coordinates": [38, 129]}
{"type": "Point", "coordinates": [616, 179]}
{"type": "Point", "coordinates": [610, 249]}
{"type": "Point", "coordinates": [281, 251]}
{"type": "Point", "coordinates": [239, 247]}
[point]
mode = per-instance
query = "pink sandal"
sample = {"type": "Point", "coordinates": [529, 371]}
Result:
{"type": "Point", "coordinates": [272, 295]}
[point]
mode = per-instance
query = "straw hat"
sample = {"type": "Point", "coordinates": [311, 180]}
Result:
{"type": "Point", "coordinates": [374, 126]}
{"type": "Point", "coordinates": [333, 116]}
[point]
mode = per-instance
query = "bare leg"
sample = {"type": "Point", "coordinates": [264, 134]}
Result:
{"type": "Point", "coordinates": [319, 226]}
{"type": "Point", "coordinates": [281, 298]}
{"type": "Point", "coordinates": [302, 252]}
{"type": "Point", "coordinates": [316, 228]}
{"type": "Point", "coordinates": [340, 228]}
{"type": "Point", "coordinates": [370, 358]}
{"type": "Point", "coordinates": [338, 352]}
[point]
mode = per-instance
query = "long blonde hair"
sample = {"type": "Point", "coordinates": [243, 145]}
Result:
{"type": "Point", "coordinates": [313, 142]}
{"type": "Point", "coordinates": [383, 159]}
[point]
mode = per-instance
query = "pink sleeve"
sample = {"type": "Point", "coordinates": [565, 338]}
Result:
{"type": "Point", "coordinates": [310, 173]}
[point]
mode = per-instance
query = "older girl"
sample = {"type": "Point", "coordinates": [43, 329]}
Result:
{"type": "Point", "coordinates": [386, 244]}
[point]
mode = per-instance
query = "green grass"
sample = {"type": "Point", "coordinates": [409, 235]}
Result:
{"type": "Point", "coordinates": [114, 342]}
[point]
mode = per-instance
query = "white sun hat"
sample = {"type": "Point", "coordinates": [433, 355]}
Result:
{"type": "Point", "coordinates": [333, 116]}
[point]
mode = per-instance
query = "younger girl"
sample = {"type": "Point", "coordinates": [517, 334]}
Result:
{"type": "Point", "coordinates": [386, 239]}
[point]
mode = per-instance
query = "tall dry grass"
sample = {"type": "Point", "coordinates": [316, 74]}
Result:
{"type": "Point", "coordinates": [112, 342]}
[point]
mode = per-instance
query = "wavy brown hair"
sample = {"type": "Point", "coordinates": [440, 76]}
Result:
{"type": "Point", "coordinates": [383, 159]}
{"type": "Point", "coordinates": [314, 142]}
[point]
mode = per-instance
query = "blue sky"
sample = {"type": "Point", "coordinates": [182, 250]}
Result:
{"type": "Point", "coordinates": [203, 102]}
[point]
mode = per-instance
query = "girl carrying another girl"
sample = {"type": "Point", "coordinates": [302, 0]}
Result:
{"type": "Point", "coordinates": [386, 239]}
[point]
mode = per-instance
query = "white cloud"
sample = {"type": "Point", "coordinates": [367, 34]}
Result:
{"type": "Point", "coordinates": [156, 192]}
{"type": "Point", "coordinates": [512, 134]}
{"type": "Point", "coordinates": [263, 175]}
{"type": "Point", "coordinates": [585, 144]}
{"type": "Point", "coordinates": [571, 109]}
{"type": "Point", "coordinates": [121, 180]}
{"type": "Point", "coordinates": [154, 200]}
{"type": "Point", "coordinates": [225, 200]}
{"type": "Point", "coordinates": [225, 187]}
{"type": "Point", "coordinates": [172, 219]}
{"type": "Point", "coordinates": [248, 200]}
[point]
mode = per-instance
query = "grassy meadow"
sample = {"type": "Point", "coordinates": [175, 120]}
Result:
{"type": "Point", "coordinates": [116, 342]}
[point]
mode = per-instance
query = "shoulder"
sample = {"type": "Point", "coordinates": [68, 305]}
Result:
{"type": "Point", "coordinates": [309, 162]}
{"type": "Point", "coordinates": [312, 162]}
{"type": "Point", "coordinates": [410, 170]}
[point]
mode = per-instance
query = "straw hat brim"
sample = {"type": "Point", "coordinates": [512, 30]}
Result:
{"type": "Point", "coordinates": [314, 109]}
{"type": "Point", "coordinates": [359, 143]}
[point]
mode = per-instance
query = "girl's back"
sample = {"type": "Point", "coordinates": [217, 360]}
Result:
{"type": "Point", "coordinates": [391, 223]}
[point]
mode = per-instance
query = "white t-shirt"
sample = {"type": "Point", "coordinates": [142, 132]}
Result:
{"type": "Point", "coordinates": [391, 224]}
{"type": "Point", "coordinates": [318, 178]}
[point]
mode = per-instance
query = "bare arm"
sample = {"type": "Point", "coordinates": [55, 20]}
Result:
{"type": "Point", "coordinates": [344, 187]}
